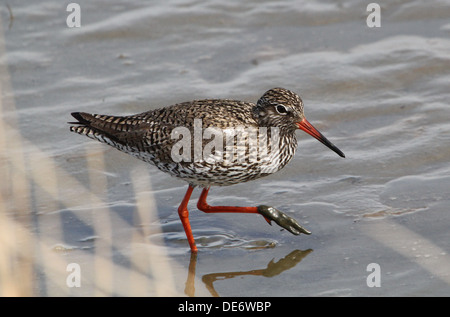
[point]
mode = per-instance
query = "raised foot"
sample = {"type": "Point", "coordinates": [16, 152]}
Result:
{"type": "Point", "coordinates": [282, 219]}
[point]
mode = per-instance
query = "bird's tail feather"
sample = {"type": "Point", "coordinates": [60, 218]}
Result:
{"type": "Point", "coordinates": [103, 128]}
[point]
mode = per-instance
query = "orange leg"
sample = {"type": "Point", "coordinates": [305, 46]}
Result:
{"type": "Point", "coordinates": [203, 206]}
{"type": "Point", "coordinates": [269, 214]}
{"type": "Point", "coordinates": [184, 217]}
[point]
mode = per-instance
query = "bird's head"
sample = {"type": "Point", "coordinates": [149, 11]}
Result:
{"type": "Point", "coordinates": [282, 108]}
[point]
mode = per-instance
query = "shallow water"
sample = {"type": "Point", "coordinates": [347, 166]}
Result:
{"type": "Point", "coordinates": [380, 94]}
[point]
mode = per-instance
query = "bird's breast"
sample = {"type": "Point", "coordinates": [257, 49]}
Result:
{"type": "Point", "coordinates": [232, 155]}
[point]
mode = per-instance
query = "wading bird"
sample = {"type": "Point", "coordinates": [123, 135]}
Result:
{"type": "Point", "coordinates": [149, 136]}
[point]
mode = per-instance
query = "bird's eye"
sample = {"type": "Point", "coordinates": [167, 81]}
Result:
{"type": "Point", "coordinates": [281, 109]}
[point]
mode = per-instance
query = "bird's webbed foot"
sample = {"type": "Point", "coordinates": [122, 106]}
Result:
{"type": "Point", "coordinates": [283, 220]}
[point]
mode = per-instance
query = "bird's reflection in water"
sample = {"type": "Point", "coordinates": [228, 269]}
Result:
{"type": "Point", "coordinates": [272, 269]}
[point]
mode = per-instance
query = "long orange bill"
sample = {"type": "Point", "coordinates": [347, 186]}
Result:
{"type": "Point", "coordinates": [309, 128]}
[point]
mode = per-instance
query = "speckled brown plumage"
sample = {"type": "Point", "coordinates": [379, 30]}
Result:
{"type": "Point", "coordinates": [147, 135]}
